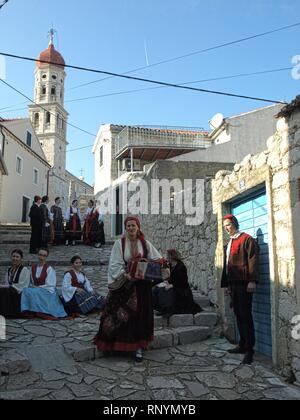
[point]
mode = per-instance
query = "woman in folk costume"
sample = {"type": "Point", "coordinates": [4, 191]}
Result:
{"type": "Point", "coordinates": [16, 279]}
{"type": "Point", "coordinates": [78, 294]}
{"type": "Point", "coordinates": [41, 299]}
{"type": "Point", "coordinates": [93, 231]}
{"type": "Point", "coordinates": [58, 222]}
{"type": "Point", "coordinates": [127, 322]}
{"type": "Point", "coordinates": [183, 296]}
{"type": "Point", "coordinates": [73, 226]}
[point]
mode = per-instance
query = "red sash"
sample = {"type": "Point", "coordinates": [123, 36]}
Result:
{"type": "Point", "coordinates": [41, 281]}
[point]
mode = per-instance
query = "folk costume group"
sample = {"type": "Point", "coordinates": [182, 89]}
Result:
{"type": "Point", "coordinates": [33, 293]}
{"type": "Point", "coordinates": [50, 227]}
{"type": "Point", "coordinates": [127, 314]}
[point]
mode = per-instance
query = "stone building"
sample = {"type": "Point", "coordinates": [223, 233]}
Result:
{"type": "Point", "coordinates": [123, 152]}
{"type": "Point", "coordinates": [218, 150]}
{"type": "Point", "coordinates": [263, 191]}
{"type": "Point", "coordinates": [27, 170]}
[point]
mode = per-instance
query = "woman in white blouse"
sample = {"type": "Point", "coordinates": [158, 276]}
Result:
{"type": "Point", "coordinates": [41, 298]}
{"type": "Point", "coordinates": [77, 292]}
{"type": "Point", "coordinates": [73, 225]}
{"type": "Point", "coordinates": [127, 322]}
{"type": "Point", "coordinates": [16, 279]}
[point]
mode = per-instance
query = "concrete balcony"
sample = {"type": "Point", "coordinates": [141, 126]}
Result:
{"type": "Point", "coordinates": [159, 143]}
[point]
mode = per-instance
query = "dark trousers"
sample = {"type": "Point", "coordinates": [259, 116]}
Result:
{"type": "Point", "coordinates": [36, 238]}
{"type": "Point", "coordinates": [242, 306]}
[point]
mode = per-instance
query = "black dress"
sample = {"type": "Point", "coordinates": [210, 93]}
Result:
{"type": "Point", "coordinates": [36, 228]}
{"type": "Point", "coordinates": [58, 223]}
{"type": "Point", "coordinates": [178, 300]}
{"type": "Point", "coordinates": [10, 299]}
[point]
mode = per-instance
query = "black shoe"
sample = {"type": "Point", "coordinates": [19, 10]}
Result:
{"type": "Point", "coordinates": [139, 357]}
{"type": "Point", "coordinates": [248, 359]}
{"type": "Point", "coordinates": [237, 350]}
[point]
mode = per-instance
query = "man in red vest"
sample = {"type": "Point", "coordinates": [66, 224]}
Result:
{"type": "Point", "coordinates": [240, 277]}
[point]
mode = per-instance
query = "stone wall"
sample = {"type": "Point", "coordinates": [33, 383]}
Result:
{"type": "Point", "coordinates": [196, 243]}
{"type": "Point", "coordinates": [278, 168]}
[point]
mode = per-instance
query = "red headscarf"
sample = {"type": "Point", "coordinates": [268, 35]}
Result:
{"type": "Point", "coordinates": [135, 219]}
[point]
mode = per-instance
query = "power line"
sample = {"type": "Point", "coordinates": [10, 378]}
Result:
{"type": "Point", "coordinates": [257, 73]}
{"type": "Point", "coordinates": [182, 84]}
{"type": "Point", "coordinates": [45, 109]}
{"type": "Point", "coordinates": [156, 82]}
{"type": "Point", "coordinates": [3, 3]}
{"type": "Point", "coordinates": [170, 60]}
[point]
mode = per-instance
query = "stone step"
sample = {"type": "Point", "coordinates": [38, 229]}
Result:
{"type": "Point", "coordinates": [203, 319]}
{"type": "Point", "coordinates": [202, 301]}
{"type": "Point", "coordinates": [4, 232]}
{"type": "Point", "coordinates": [170, 337]}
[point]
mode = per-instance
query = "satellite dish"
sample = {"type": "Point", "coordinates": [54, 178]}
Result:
{"type": "Point", "coordinates": [216, 121]}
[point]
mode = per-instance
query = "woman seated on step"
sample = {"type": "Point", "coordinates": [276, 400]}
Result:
{"type": "Point", "coordinates": [77, 292]}
{"type": "Point", "coordinates": [16, 279]}
{"type": "Point", "coordinates": [175, 296]}
{"type": "Point", "coordinates": [41, 298]}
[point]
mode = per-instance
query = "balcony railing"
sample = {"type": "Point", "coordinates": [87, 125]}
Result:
{"type": "Point", "coordinates": [162, 137]}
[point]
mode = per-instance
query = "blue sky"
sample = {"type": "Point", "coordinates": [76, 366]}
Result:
{"type": "Point", "coordinates": [111, 35]}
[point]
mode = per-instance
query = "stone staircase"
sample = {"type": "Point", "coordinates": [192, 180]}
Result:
{"type": "Point", "coordinates": [36, 344]}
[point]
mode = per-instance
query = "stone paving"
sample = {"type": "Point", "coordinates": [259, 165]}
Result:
{"type": "Point", "coordinates": [201, 371]}
{"type": "Point", "coordinates": [56, 360]}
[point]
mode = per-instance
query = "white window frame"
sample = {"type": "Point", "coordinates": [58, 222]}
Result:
{"type": "Point", "coordinates": [21, 160]}
{"type": "Point", "coordinates": [35, 170]}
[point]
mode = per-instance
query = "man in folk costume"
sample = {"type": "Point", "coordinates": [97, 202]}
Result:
{"type": "Point", "coordinates": [240, 277]}
{"type": "Point", "coordinates": [93, 231]}
{"type": "Point", "coordinates": [41, 298]}
{"type": "Point", "coordinates": [36, 225]}
{"type": "Point", "coordinates": [46, 225]}
{"type": "Point", "coordinates": [127, 323]}
{"type": "Point", "coordinates": [58, 222]}
{"type": "Point", "coordinates": [17, 278]}
{"type": "Point", "coordinates": [73, 226]}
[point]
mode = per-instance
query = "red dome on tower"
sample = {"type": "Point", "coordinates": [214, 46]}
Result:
{"type": "Point", "coordinates": [51, 55]}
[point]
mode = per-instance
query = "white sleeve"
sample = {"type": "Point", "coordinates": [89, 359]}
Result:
{"type": "Point", "coordinates": [68, 291]}
{"type": "Point", "coordinates": [101, 218]}
{"type": "Point", "coordinates": [88, 286]}
{"type": "Point", "coordinates": [50, 285]}
{"type": "Point", "coordinates": [79, 215]}
{"type": "Point", "coordinates": [153, 254]}
{"type": "Point", "coordinates": [24, 280]}
{"type": "Point", "coordinates": [116, 263]}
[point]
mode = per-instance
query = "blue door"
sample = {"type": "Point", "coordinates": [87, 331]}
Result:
{"type": "Point", "coordinates": [252, 214]}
